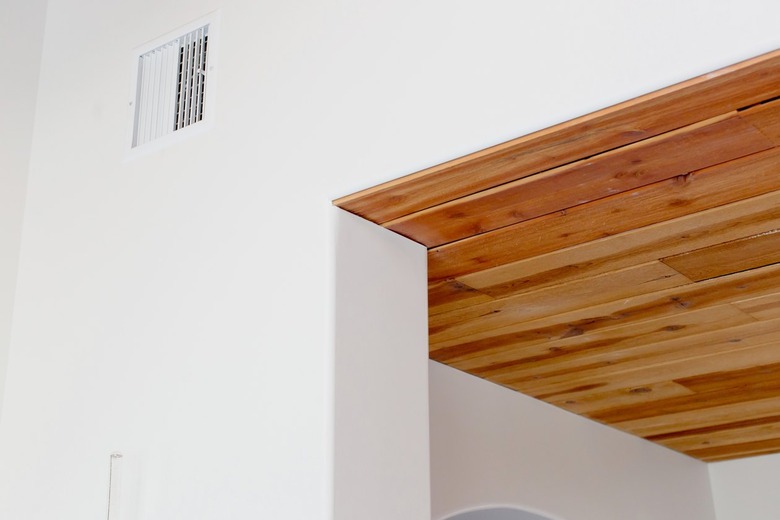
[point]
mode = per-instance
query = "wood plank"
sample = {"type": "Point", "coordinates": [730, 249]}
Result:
{"type": "Point", "coordinates": [703, 417]}
{"type": "Point", "coordinates": [701, 98]}
{"type": "Point", "coordinates": [452, 294]}
{"type": "Point", "coordinates": [717, 435]}
{"type": "Point", "coordinates": [733, 451]}
{"type": "Point", "coordinates": [668, 155]}
{"type": "Point", "coordinates": [714, 226]}
{"type": "Point", "coordinates": [765, 117]}
{"type": "Point", "coordinates": [677, 300]}
{"type": "Point", "coordinates": [731, 375]}
{"type": "Point", "coordinates": [492, 254]}
{"type": "Point", "coordinates": [643, 395]}
{"type": "Point", "coordinates": [497, 352]}
{"type": "Point", "coordinates": [763, 432]}
{"type": "Point", "coordinates": [572, 365]}
{"type": "Point", "coordinates": [730, 257]}
{"type": "Point", "coordinates": [701, 362]}
{"type": "Point", "coordinates": [650, 277]}
{"type": "Point", "coordinates": [727, 387]}
{"type": "Point", "coordinates": [762, 308]}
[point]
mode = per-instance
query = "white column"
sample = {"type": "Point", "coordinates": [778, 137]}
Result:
{"type": "Point", "coordinates": [381, 455]}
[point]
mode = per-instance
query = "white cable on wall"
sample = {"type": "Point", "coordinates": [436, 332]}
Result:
{"type": "Point", "coordinates": [114, 485]}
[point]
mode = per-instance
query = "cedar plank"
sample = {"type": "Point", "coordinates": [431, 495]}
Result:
{"type": "Point", "coordinates": [766, 430]}
{"type": "Point", "coordinates": [749, 284]}
{"type": "Point", "coordinates": [516, 348]}
{"type": "Point", "coordinates": [765, 117]}
{"type": "Point", "coordinates": [450, 294]}
{"type": "Point", "coordinates": [668, 155]}
{"type": "Point", "coordinates": [722, 328]}
{"type": "Point", "coordinates": [733, 451]}
{"type": "Point", "coordinates": [686, 195]}
{"type": "Point", "coordinates": [467, 319]}
{"type": "Point", "coordinates": [707, 416]}
{"type": "Point", "coordinates": [730, 222]}
{"type": "Point", "coordinates": [701, 98]}
{"type": "Point", "coordinates": [760, 382]}
{"type": "Point", "coordinates": [762, 308]}
{"type": "Point", "coordinates": [729, 257]}
{"type": "Point", "coordinates": [757, 351]}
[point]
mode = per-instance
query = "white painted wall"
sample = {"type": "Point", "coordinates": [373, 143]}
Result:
{"type": "Point", "coordinates": [179, 307]}
{"type": "Point", "coordinates": [21, 42]}
{"type": "Point", "coordinates": [491, 446]}
{"type": "Point", "coordinates": [382, 469]}
{"type": "Point", "coordinates": [747, 488]}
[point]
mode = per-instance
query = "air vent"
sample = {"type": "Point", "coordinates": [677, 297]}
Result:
{"type": "Point", "coordinates": [171, 86]}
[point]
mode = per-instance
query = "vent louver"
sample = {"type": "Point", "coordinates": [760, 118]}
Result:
{"type": "Point", "coordinates": [171, 87]}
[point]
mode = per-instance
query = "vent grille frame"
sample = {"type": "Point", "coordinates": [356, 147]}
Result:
{"type": "Point", "coordinates": [173, 86]}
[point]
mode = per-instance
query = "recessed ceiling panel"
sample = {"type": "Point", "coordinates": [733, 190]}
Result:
{"type": "Point", "coordinates": [624, 266]}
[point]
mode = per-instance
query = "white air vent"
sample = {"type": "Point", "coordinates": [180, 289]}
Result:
{"type": "Point", "coordinates": [171, 85]}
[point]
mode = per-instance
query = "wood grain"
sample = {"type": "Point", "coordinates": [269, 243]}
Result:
{"type": "Point", "coordinates": [675, 153]}
{"type": "Point", "coordinates": [452, 294]}
{"type": "Point", "coordinates": [722, 329]}
{"type": "Point", "coordinates": [615, 285]}
{"type": "Point", "coordinates": [687, 195]}
{"type": "Point", "coordinates": [723, 435]}
{"type": "Point", "coordinates": [705, 228]}
{"type": "Point", "coordinates": [759, 381]}
{"type": "Point", "coordinates": [642, 395]}
{"type": "Point", "coordinates": [702, 417]}
{"type": "Point", "coordinates": [762, 308]}
{"type": "Point", "coordinates": [512, 349]}
{"type": "Point", "coordinates": [701, 98]}
{"type": "Point", "coordinates": [624, 266]}
{"type": "Point", "coordinates": [765, 117]}
{"type": "Point", "coordinates": [679, 369]}
{"type": "Point", "coordinates": [669, 302]}
{"type": "Point", "coordinates": [730, 257]}
{"type": "Point", "coordinates": [737, 450]}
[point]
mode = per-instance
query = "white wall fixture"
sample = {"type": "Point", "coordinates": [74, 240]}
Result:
{"type": "Point", "coordinates": [172, 82]}
{"type": "Point", "coordinates": [114, 485]}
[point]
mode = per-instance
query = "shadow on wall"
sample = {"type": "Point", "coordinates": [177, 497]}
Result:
{"type": "Point", "coordinates": [498, 513]}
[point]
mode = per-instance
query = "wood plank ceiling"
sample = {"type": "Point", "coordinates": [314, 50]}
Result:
{"type": "Point", "coordinates": [624, 266]}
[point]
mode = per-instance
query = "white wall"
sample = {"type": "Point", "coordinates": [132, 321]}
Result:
{"type": "Point", "coordinates": [22, 41]}
{"type": "Point", "coordinates": [382, 469]}
{"type": "Point", "coordinates": [179, 307]}
{"type": "Point", "coordinates": [747, 488]}
{"type": "Point", "coordinates": [491, 446]}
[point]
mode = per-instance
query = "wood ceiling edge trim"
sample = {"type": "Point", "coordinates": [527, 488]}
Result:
{"type": "Point", "coordinates": [352, 202]}
{"type": "Point", "coordinates": [436, 226]}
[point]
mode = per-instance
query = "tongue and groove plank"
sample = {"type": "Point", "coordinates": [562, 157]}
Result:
{"type": "Point", "coordinates": [765, 117]}
{"type": "Point", "coordinates": [669, 302]}
{"type": "Point", "coordinates": [733, 451]}
{"type": "Point", "coordinates": [557, 299]}
{"type": "Point", "coordinates": [604, 347]}
{"type": "Point", "coordinates": [729, 257]}
{"type": "Point", "coordinates": [573, 365]}
{"type": "Point", "coordinates": [638, 280]}
{"type": "Point", "coordinates": [494, 252]}
{"type": "Point", "coordinates": [703, 417]}
{"type": "Point", "coordinates": [706, 228]}
{"type": "Point", "coordinates": [643, 395]}
{"type": "Point", "coordinates": [716, 389]}
{"type": "Point", "coordinates": [675, 153]}
{"type": "Point", "coordinates": [699, 362]}
{"type": "Point", "coordinates": [762, 308]}
{"type": "Point", "coordinates": [613, 346]}
{"type": "Point", "coordinates": [698, 99]}
{"type": "Point", "coordinates": [452, 294]}
{"type": "Point", "coordinates": [748, 431]}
